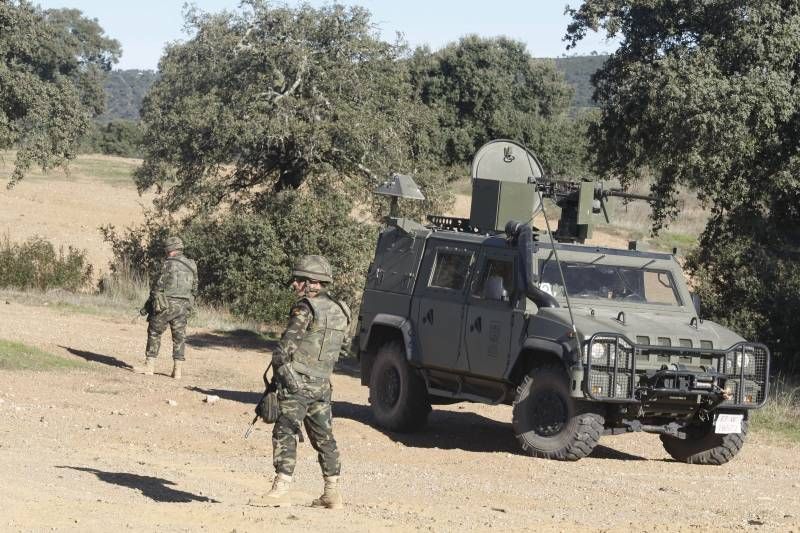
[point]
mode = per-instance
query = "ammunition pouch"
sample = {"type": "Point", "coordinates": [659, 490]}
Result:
{"type": "Point", "coordinates": [268, 408]}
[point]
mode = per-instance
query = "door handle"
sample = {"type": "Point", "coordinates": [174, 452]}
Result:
{"type": "Point", "coordinates": [476, 325]}
{"type": "Point", "coordinates": [427, 318]}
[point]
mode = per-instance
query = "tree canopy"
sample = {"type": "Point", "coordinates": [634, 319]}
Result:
{"type": "Point", "coordinates": [50, 81]}
{"type": "Point", "coordinates": [261, 100]}
{"type": "Point", "coordinates": [487, 88]}
{"type": "Point", "coordinates": [705, 95]}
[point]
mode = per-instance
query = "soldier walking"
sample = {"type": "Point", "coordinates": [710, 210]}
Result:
{"type": "Point", "coordinates": [171, 301]}
{"type": "Point", "coordinates": [303, 362]}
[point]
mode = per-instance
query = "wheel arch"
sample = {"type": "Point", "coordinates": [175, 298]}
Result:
{"type": "Point", "coordinates": [385, 328]}
{"type": "Point", "coordinates": [536, 353]}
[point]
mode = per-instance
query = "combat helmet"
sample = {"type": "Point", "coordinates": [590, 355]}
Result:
{"type": "Point", "coordinates": [172, 244]}
{"type": "Point", "coordinates": [314, 267]}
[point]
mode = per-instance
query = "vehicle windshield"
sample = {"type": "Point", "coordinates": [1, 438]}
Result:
{"type": "Point", "coordinates": [605, 282]}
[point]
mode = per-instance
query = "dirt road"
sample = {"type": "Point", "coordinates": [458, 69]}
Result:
{"type": "Point", "coordinates": [103, 449]}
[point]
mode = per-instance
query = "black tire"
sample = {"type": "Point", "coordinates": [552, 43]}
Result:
{"type": "Point", "coordinates": [546, 421]}
{"type": "Point", "coordinates": [397, 393]}
{"type": "Point", "coordinates": [704, 447]}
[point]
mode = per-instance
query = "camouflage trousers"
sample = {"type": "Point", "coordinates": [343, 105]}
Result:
{"type": "Point", "coordinates": [310, 405]}
{"type": "Point", "coordinates": [176, 317]}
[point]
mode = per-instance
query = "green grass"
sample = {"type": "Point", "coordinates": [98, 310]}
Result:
{"type": "Point", "coordinates": [116, 171]}
{"type": "Point", "coordinates": [667, 240]}
{"type": "Point", "coordinates": [781, 415]}
{"type": "Point", "coordinates": [18, 356]}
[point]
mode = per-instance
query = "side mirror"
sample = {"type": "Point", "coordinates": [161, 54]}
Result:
{"type": "Point", "coordinates": [494, 289]}
{"type": "Point", "coordinates": [698, 304]}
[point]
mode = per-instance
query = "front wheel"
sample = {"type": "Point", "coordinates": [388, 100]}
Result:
{"type": "Point", "coordinates": [546, 421]}
{"type": "Point", "coordinates": [704, 447]}
{"type": "Point", "coordinates": [397, 393]}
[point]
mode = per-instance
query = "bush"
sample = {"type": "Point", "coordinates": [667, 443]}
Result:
{"type": "Point", "coordinates": [119, 137]}
{"type": "Point", "coordinates": [244, 258]}
{"type": "Point", "coordinates": [35, 264]}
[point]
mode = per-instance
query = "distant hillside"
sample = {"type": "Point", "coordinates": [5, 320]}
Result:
{"type": "Point", "coordinates": [125, 90]}
{"type": "Point", "coordinates": [577, 71]}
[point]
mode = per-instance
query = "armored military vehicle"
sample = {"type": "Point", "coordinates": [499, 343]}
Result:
{"type": "Point", "coordinates": [582, 340]}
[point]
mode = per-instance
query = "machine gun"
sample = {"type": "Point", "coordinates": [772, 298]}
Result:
{"type": "Point", "coordinates": [508, 183]}
{"type": "Point", "coordinates": [579, 202]}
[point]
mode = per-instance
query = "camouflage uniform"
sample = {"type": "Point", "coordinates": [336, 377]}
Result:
{"type": "Point", "coordinates": [172, 300]}
{"type": "Point", "coordinates": [303, 363]}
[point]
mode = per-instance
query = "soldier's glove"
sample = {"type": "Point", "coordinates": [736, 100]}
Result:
{"type": "Point", "coordinates": [143, 311]}
{"type": "Point", "coordinates": [288, 378]}
{"type": "Point", "coordinates": [159, 303]}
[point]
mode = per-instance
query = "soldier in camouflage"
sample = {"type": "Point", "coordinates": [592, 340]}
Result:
{"type": "Point", "coordinates": [171, 302]}
{"type": "Point", "coordinates": [303, 362]}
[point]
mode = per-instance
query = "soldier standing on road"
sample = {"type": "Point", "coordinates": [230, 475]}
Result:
{"type": "Point", "coordinates": [171, 301]}
{"type": "Point", "coordinates": [303, 362]}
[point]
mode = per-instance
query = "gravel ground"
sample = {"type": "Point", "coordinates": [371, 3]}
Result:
{"type": "Point", "coordinates": [103, 449]}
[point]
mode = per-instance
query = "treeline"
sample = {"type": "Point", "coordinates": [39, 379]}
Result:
{"type": "Point", "coordinates": [116, 131]}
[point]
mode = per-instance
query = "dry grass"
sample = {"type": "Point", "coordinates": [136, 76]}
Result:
{"type": "Point", "coordinates": [110, 170]}
{"type": "Point", "coordinates": [781, 414]}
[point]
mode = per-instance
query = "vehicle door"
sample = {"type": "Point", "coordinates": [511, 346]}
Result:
{"type": "Point", "coordinates": [439, 302]}
{"type": "Point", "coordinates": [490, 314]}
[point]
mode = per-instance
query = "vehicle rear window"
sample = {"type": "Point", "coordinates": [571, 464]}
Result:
{"type": "Point", "coordinates": [605, 282]}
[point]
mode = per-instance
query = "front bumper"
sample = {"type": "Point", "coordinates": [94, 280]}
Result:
{"type": "Point", "coordinates": [733, 378]}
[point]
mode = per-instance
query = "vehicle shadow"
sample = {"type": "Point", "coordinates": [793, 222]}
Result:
{"type": "Point", "coordinates": [238, 339]}
{"type": "Point", "coordinates": [446, 430]}
{"type": "Point", "coordinates": [97, 358]}
{"type": "Point", "coordinates": [155, 488]}
{"type": "Point", "coordinates": [450, 430]}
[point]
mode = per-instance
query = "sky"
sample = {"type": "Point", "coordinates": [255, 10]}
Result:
{"type": "Point", "coordinates": [143, 27]}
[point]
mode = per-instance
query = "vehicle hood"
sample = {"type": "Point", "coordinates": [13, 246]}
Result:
{"type": "Point", "coordinates": [655, 324]}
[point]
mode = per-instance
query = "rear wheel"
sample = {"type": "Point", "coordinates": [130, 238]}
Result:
{"type": "Point", "coordinates": [704, 447]}
{"type": "Point", "coordinates": [397, 393]}
{"type": "Point", "coordinates": [546, 421]}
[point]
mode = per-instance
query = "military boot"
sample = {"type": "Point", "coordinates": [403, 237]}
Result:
{"type": "Point", "coordinates": [331, 498]}
{"type": "Point", "coordinates": [176, 368]}
{"type": "Point", "coordinates": [278, 496]}
{"type": "Point", "coordinates": [149, 367]}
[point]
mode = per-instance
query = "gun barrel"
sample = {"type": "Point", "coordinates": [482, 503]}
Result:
{"type": "Point", "coordinates": [632, 196]}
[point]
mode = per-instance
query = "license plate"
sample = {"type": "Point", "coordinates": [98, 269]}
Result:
{"type": "Point", "coordinates": [728, 423]}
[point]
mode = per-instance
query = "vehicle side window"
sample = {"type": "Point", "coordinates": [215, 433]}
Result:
{"type": "Point", "coordinates": [496, 272]}
{"type": "Point", "coordinates": [450, 270]}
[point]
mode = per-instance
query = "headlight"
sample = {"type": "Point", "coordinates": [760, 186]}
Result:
{"type": "Point", "coordinates": [599, 352]}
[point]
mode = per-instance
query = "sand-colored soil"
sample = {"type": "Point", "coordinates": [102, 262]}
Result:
{"type": "Point", "coordinates": [102, 449]}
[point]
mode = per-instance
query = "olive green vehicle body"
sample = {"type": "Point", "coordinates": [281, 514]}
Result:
{"type": "Point", "coordinates": [612, 334]}
{"type": "Point", "coordinates": [474, 348]}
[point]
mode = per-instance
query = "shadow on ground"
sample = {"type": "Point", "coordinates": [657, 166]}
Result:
{"type": "Point", "coordinates": [238, 339]}
{"type": "Point", "coordinates": [446, 430]}
{"type": "Point", "coordinates": [453, 430]}
{"type": "Point", "coordinates": [155, 488]}
{"type": "Point", "coordinates": [232, 395]}
{"type": "Point", "coordinates": [97, 358]}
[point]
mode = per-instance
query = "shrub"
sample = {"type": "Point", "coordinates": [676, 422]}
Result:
{"type": "Point", "coordinates": [35, 264]}
{"type": "Point", "coordinates": [244, 258]}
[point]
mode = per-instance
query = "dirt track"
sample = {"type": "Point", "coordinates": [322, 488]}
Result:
{"type": "Point", "coordinates": [101, 449]}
